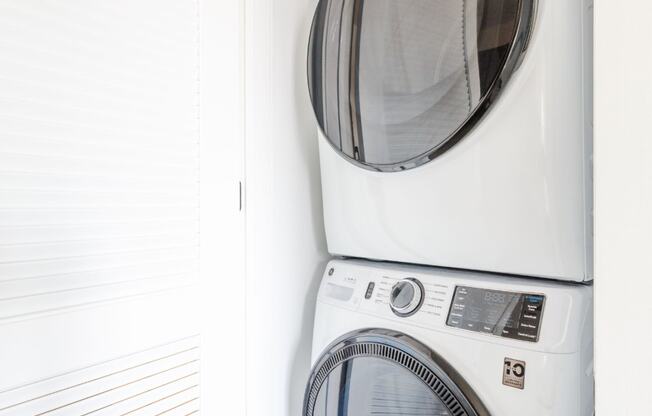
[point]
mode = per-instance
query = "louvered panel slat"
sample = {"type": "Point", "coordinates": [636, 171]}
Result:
{"type": "Point", "coordinates": [170, 355]}
{"type": "Point", "coordinates": [66, 143]}
{"type": "Point", "coordinates": [103, 16]}
{"type": "Point", "coordinates": [78, 39]}
{"type": "Point", "coordinates": [66, 113]}
{"type": "Point", "coordinates": [18, 288]}
{"type": "Point", "coordinates": [89, 56]}
{"type": "Point", "coordinates": [33, 125]}
{"type": "Point", "coordinates": [185, 408]}
{"type": "Point", "coordinates": [185, 397]}
{"type": "Point", "coordinates": [92, 246]}
{"type": "Point", "coordinates": [68, 181]}
{"type": "Point", "coordinates": [99, 164]}
{"type": "Point", "coordinates": [181, 393]}
{"type": "Point", "coordinates": [98, 215]}
{"type": "Point", "coordinates": [124, 72]}
{"type": "Point", "coordinates": [100, 22]}
{"type": "Point", "coordinates": [96, 263]}
{"type": "Point", "coordinates": [91, 199]}
{"type": "Point", "coordinates": [116, 399]}
{"type": "Point", "coordinates": [114, 387]}
{"type": "Point", "coordinates": [17, 89]}
{"type": "Point", "coordinates": [30, 126]}
{"type": "Point", "coordinates": [88, 294]}
{"type": "Point", "coordinates": [108, 393]}
{"type": "Point", "coordinates": [52, 233]}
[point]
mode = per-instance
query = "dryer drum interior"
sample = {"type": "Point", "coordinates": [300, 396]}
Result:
{"type": "Point", "coordinates": [395, 83]}
{"type": "Point", "coordinates": [375, 372]}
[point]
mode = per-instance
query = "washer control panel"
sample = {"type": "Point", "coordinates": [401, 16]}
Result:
{"type": "Point", "coordinates": [499, 313]}
{"type": "Point", "coordinates": [499, 310]}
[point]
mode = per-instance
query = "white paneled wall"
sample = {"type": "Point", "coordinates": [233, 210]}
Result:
{"type": "Point", "coordinates": [99, 193]}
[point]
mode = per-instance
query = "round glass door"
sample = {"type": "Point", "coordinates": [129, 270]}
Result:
{"type": "Point", "coordinates": [395, 83]}
{"type": "Point", "coordinates": [381, 373]}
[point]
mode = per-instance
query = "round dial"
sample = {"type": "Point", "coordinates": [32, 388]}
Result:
{"type": "Point", "coordinates": [406, 297]}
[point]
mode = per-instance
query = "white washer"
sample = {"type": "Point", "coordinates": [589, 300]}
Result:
{"type": "Point", "coordinates": [473, 345]}
{"type": "Point", "coordinates": [457, 133]}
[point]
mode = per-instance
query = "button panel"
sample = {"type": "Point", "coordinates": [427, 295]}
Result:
{"type": "Point", "coordinates": [504, 314]}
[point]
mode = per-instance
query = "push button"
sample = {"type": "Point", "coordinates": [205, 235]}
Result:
{"type": "Point", "coordinates": [532, 309]}
{"type": "Point", "coordinates": [487, 328]}
{"type": "Point", "coordinates": [532, 316]}
{"type": "Point", "coordinates": [370, 290]}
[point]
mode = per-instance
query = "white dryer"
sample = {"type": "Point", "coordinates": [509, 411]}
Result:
{"type": "Point", "coordinates": [457, 133]}
{"type": "Point", "coordinates": [397, 340]}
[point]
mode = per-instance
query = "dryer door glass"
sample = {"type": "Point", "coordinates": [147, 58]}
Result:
{"type": "Point", "coordinates": [380, 372]}
{"type": "Point", "coordinates": [394, 83]}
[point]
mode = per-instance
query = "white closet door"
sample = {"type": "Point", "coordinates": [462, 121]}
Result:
{"type": "Point", "coordinates": [99, 207]}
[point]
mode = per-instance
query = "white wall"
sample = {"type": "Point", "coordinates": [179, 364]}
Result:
{"type": "Point", "coordinates": [623, 206]}
{"type": "Point", "coordinates": [285, 243]}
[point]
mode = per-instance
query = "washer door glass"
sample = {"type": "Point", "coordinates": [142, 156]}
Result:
{"type": "Point", "coordinates": [394, 83]}
{"type": "Point", "coordinates": [381, 372]}
{"type": "Point", "coordinates": [370, 386]}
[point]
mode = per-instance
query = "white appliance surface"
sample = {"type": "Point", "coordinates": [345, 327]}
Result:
{"type": "Point", "coordinates": [558, 369]}
{"type": "Point", "coordinates": [513, 196]}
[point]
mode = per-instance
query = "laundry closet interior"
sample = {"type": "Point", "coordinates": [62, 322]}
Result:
{"type": "Point", "coordinates": [456, 174]}
{"type": "Point", "coordinates": [325, 208]}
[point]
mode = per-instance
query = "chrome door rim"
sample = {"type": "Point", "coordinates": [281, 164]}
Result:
{"type": "Point", "coordinates": [400, 349]}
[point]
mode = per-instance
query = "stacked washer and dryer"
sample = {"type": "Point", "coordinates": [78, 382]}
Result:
{"type": "Point", "coordinates": [455, 149]}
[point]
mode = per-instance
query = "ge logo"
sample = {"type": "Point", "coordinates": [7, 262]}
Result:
{"type": "Point", "coordinates": [514, 373]}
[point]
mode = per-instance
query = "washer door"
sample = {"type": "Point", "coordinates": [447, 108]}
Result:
{"type": "Point", "coordinates": [395, 83]}
{"type": "Point", "coordinates": [380, 372]}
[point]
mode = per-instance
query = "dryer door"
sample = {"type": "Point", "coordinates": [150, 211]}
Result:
{"type": "Point", "coordinates": [395, 83]}
{"type": "Point", "coordinates": [384, 372]}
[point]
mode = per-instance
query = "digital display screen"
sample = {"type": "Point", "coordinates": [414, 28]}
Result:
{"type": "Point", "coordinates": [504, 314]}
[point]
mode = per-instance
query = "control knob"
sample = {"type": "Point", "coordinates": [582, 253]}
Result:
{"type": "Point", "coordinates": [406, 297]}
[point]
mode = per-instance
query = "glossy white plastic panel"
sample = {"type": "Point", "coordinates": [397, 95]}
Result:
{"type": "Point", "coordinates": [559, 368]}
{"type": "Point", "coordinates": [514, 196]}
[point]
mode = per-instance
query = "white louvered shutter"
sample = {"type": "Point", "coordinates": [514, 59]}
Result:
{"type": "Point", "coordinates": [99, 216]}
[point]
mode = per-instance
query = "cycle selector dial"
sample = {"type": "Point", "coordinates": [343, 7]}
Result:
{"type": "Point", "coordinates": [406, 297]}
